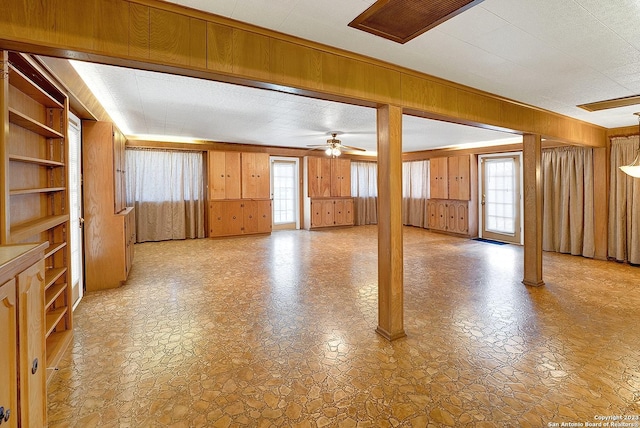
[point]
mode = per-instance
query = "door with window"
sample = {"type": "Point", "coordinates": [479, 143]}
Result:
{"type": "Point", "coordinates": [285, 193]}
{"type": "Point", "coordinates": [500, 198]}
{"type": "Point", "coordinates": [75, 205]}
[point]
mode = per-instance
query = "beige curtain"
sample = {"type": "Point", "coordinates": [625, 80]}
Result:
{"type": "Point", "coordinates": [167, 190]}
{"type": "Point", "coordinates": [568, 226]}
{"type": "Point", "coordinates": [415, 193]}
{"type": "Point", "coordinates": [624, 203]}
{"type": "Point", "coordinates": [364, 189]}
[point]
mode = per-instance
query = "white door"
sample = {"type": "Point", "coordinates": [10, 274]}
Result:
{"type": "Point", "coordinates": [500, 198]}
{"type": "Point", "coordinates": [285, 193]}
{"type": "Point", "coordinates": [75, 203]}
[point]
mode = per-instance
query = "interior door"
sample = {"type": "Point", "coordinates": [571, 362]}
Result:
{"type": "Point", "coordinates": [500, 198]}
{"type": "Point", "coordinates": [76, 221]}
{"type": "Point", "coordinates": [285, 192]}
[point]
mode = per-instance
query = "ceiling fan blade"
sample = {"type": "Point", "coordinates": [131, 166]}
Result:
{"type": "Point", "coordinates": [353, 148]}
{"type": "Point", "coordinates": [316, 145]}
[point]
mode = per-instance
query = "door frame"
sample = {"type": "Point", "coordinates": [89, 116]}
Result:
{"type": "Point", "coordinates": [296, 161]}
{"type": "Point", "coordinates": [74, 121]}
{"type": "Point", "coordinates": [518, 156]}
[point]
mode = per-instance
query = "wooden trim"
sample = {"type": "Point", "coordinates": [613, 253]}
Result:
{"type": "Point", "coordinates": [306, 68]}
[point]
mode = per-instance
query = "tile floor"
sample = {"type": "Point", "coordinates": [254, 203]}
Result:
{"type": "Point", "coordinates": [278, 330]}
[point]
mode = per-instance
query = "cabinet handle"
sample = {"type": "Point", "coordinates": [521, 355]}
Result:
{"type": "Point", "coordinates": [222, 175]}
{"type": "Point", "coordinates": [34, 366]}
{"type": "Point", "coordinates": [4, 415]}
{"type": "Point", "coordinates": [234, 217]}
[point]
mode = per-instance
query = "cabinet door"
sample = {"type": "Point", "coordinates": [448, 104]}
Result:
{"type": "Point", "coordinates": [441, 215]}
{"type": "Point", "coordinates": [348, 211]}
{"type": "Point", "coordinates": [255, 175]}
{"type": "Point", "coordinates": [452, 222]}
{"type": "Point", "coordinates": [250, 216]}
{"type": "Point", "coordinates": [464, 174]}
{"type": "Point", "coordinates": [338, 212]}
{"type": "Point", "coordinates": [232, 180]}
{"type": "Point", "coordinates": [328, 216]}
{"type": "Point", "coordinates": [452, 177]}
{"type": "Point", "coordinates": [119, 177]}
{"type": "Point", "coordinates": [225, 218]}
{"type": "Point", "coordinates": [8, 351]}
{"type": "Point", "coordinates": [31, 336]}
{"type": "Point", "coordinates": [340, 177]}
{"type": "Point", "coordinates": [316, 213]}
{"type": "Point", "coordinates": [438, 182]}
{"type": "Point", "coordinates": [432, 214]}
{"type": "Point", "coordinates": [217, 175]}
{"type": "Point", "coordinates": [325, 177]}
{"type": "Point", "coordinates": [264, 216]}
{"type": "Point", "coordinates": [462, 218]}
{"type": "Point", "coordinates": [313, 176]}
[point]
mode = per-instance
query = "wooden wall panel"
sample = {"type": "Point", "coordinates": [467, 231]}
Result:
{"type": "Point", "coordinates": [514, 116]}
{"type": "Point", "coordinates": [251, 55]}
{"type": "Point", "coordinates": [387, 84]}
{"type": "Point", "coordinates": [73, 23]}
{"type": "Point", "coordinates": [112, 27]}
{"type": "Point", "coordinates": [219, 47]}
{"type": "Point", "coordinates": [295, 65]}
{"type": "Point", "coordinates": [169, 37]}
{"type": "Point", "coordinates": [476, 107]}
{"type": "Point", "coordinates": [198, 43]}
{"type": "Point", "coordinates": [138, 31]}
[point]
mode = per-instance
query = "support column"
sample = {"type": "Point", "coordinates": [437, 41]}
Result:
{"type": "Point", "coordinates": [390, 259]}
{"type": "Point", "coordinates": [532, 160]}
{"type": "Point", "coordinates": [600, 202]}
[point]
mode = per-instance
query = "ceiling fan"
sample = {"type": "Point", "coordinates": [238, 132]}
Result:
{"type": "Point", "coordinates": [334, 147]}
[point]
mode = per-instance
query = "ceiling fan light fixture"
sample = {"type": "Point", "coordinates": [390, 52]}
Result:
{"type": "Point", "coordinates": [335, 151]}
{"type": "Point", "coordinates": [328, 151]}
{"type": "Point", "coordinates": [633, 169]}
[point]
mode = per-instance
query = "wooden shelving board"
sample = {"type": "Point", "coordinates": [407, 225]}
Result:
{"type": "Point", "coordinates": [56, 343]}
{"type": "Point", "coordinates": [37, 161]}
{"type": "Point", "coordinates": [25, 85]}
{"type": "Point", "coordinates": [28, 229]}
{"type": "Point", "coordinates": [51, 275]}
{"type": "Point", "coordinates": [53, 293]}
{"type": "Point", "coordinates": [53, 318]}
{"type": "Point", "coordinates": [54, 248]}
{"type": "Point", "coordinates": [32, 125]}
{"type": "Point", "coordinates": [36, 190]}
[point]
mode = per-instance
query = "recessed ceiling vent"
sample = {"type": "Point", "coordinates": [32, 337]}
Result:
{"type": "Point", "coordinates": [402, 20]}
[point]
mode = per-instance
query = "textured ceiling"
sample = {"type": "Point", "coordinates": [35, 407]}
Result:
{"type": "Point", "coordinates": [547, 53]}
{"type": "Point", "coordinates": [155, 104]}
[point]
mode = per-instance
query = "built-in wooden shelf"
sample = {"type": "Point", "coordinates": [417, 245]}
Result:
{"type": "Point", "coordinates": [32, 125]}
{"type": "Point", "coordinates": [37, 161]}
{"type": "Point", "coordinates": [56, 343]}
{"type": "Point", "coordinates": [30, 228]}
{"type": "Point", "coordinates": [54, 248]}
{"type": "Point", "coordinates": [52, 275]}
{"type": "Point", "coordinates": [36, 190]}
{"type": "Point", "coordinates": [25, 85]}
{"type": "Point", "coordinates": [53, 318]}
{"type": "Point", "coordinates": [52, 294]}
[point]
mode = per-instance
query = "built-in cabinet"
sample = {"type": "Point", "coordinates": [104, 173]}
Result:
{"type": "Point", "coordinates": [452, 204]}
{"type": "Point", "coordinates": [327, 192]}
{"type": "Point", "coordinates": [239, 193]}
{"type": "Point", "coordinates": [34, 196]}
{"type": "Point", "coordinates": [109, 228]}
{"type": "Point", "coordinates": [22, 334]}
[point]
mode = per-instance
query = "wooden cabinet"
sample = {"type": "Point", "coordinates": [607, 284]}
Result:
{"type": "Point", "coordinates": [448, 216]}
{"type": "Point", "coordinates": [34, 195]}
{"type": "Point", "coordinates": [239, 193]}
{"type": "Point", "coordinates": [331, 212]}
{"type": "Point", "coordinates": [438, 184]}
{"type": "Point", "coordinates": [327, 177]}
{"type": "Point", "coordinates": [318, 176]}
{"type": "Point", "coordinates": [108, 235]}
{"type": "Point", "coordinates": [22, 332]}
{"type": "Point", "coordinates": [119, 173]}
{"type": "Point", "coordinates": [239, 217]}
{"type": "Point", "coordinates": [255, 176]}
{"type": "Point", "coordinates": [450, 178]}
{"type": "Point", "coordinates": [224, 175]}
{"type": "Point", "coordinates": [458, 177]}
{"type": "Point", "coordinates": [327, 191]}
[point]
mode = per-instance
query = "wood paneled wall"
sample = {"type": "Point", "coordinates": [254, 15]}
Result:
{"type": "Point", "coordinates": [161, 36]}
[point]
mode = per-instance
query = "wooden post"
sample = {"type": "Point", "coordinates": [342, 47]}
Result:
{"type": "Point", "coordinates": [390, 270]}
{"type": "Point", "coordinates": [532, 159]}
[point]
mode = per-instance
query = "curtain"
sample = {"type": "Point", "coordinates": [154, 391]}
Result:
{"type": "Point", "coordinates": [415, 193]}
{"type": "Point", "coordinates": [624, 203]}
{"type": "Point", "coordinates": [364, 189]}
{"type": "Point", "coordinates": [568, 226]}
{"type": "Point", "coordinates": [167, 190]}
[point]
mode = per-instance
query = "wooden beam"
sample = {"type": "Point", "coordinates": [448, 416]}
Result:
{"type": "Point", "coordinates": [166, 37]}
{"type": "Point", "coordinates": [390, 256]}
{"type": "Point", "coordinates": [532, 172]}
